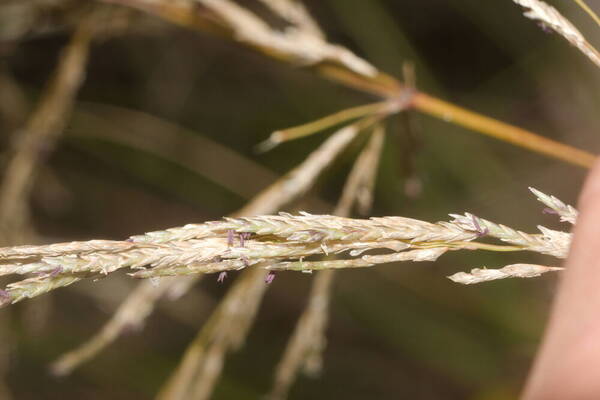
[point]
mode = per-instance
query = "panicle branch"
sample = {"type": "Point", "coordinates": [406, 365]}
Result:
{"type": "Point", "coordinates": [273, 242]}
{"type": "Point", "coordinates": [549, 17]}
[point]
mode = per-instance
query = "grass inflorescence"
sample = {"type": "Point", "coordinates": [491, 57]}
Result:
{"type": "Point", "coordinates": [278, 242]}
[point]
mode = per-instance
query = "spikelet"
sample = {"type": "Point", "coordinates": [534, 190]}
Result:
{"type": "Point", "coordinates": [552, 19]}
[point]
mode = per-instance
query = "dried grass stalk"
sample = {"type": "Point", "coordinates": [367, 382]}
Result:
{"type": "Point", "coordinates": [130, 315]}
{"type": "Point", "coordinates": [13, 102]}
{"type": "Point", "coordinates": [284, 135]}
{"type": "Point", "coordinates": [588, 10]}
{"type": "Point", "coordinates": [361, 181]}
{"type": "Point", "coordinates": [300, 179]}
{"type": "Point", "coordinates": [41, 131]}
{"type": "Point", "coordinates": [306, 345]}
{"type": "Point", "coordinates": [226, 329]}
{"type": "Point", "coordinates": [299, 45]}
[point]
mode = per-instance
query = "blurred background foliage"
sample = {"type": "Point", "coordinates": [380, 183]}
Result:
{"type": "Point", "coordinates": [163, 133]}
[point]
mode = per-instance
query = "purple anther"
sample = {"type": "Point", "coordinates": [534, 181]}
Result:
{"type": "Point", "coordinates": [222, 277]}
{"type": "Point", "coordinates": [230, 234]}
{"type": "Point", "coordinates": [4, 298]}
{"type": "Point", "coordinates": [478, 229]}
{"type": "Point", "coordinates": [270, 277]}
{"type": "Point", "coordinates": [243, 237]}
{"type": "Point", "coordinates": [545, 27]}
{"type": "Point", "coordinates": [50, 274]}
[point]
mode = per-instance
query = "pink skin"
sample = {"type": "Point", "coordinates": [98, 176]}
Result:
{"type": "Point", "coordinates": [568, 363]}
{"type": "Point", "coordinates": [222, 277]}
